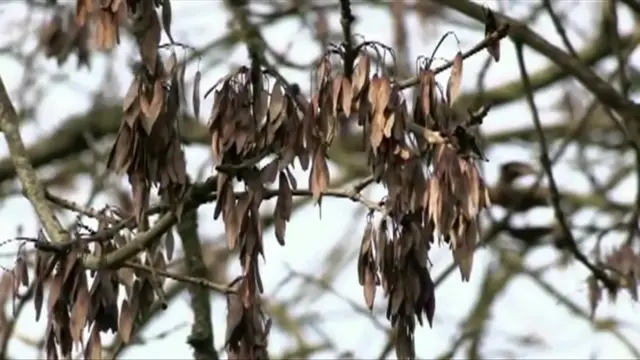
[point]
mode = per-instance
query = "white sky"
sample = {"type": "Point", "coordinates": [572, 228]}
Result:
{"type": "Point", "coordinates": [523, 309]}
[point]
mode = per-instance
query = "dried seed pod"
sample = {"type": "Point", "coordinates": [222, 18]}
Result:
{"type": "Point", "coordinates": [455, 79]}
{"type": "Point", "coordinates": [196, 91]}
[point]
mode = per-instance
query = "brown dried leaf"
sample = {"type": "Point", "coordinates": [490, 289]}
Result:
{"type": "Point", "coordinates": [323, 71]}
{"type": "Point", "coordinates": [430, 307]}
{"type": "Point", "coordinates": [269, 173]}
{"type": "Point", "coordinates": [405, 348]}
{"type": "Point", "coordinates": [171, 64]}
{"type": "Point", "coordinates": [276, 103]}
{"type": "Point", "coordinates": [152, 113]}
{"type": "Point", "coordinates": [21, 271]}
{"type": "Point", "coordinates": [490, 26]}
{"type": "Point", "coordinates": [347, 96]}
{"type": "Point", "coordinates": [93, 349]}
{"type": "Point", "coordinates": [361, 74]}
{"type": "Point", "coordinates": [455, 79]}
{"type": "Point", "coordinates": [235, 313]}
{"type": "Point", "coordinates": [427, 90]}
{"type": "Point", "coordinates": [284, 207]}
{"type": "Point", "coordinates": [169, 244]}
{"type": "Point", "coordinates": [196, 91]}
{"type": "Point", "coordinates": [595, 294]}
{"type": "Point", "coordinates": [83, 9]}
{"type": "Point", "coordinates": [377, 131]}
{"type": "Point", "coordinates": [149, 44]}
{"type": "Point", "coordinates": [125, 321]}
{"type": "Point", "coordinates": [55, 290]}
{"type": "Point", "coordinates": [166, 18]}
{"type": "Point", "coordinates": [365, 254]}
{"type": "Point", "coordinates": [383, 95]}
{"type": "Point", "coordinates": [374, 87]}
{"type": "Point", "coordinates": [230, 218]}
{"type": "Point", "coordinates": [80, 309]}
{"type": "Point", "coordinates": [336, 85]}
{"type": "Point", "coordinates": [132, 94]}
{"type": "Point", "coordinates": [319, 177]}
{"type": "Point", "coordinates": [369, 287]}
{"type": "Point", "coordinates": [388, 126]}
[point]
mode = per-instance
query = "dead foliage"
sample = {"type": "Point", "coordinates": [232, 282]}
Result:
{"type": "Point", "coordinates": [422, 150]}
{"type": "Point", "coordinates": [60, 36]}
{"type": "Point", "coordinates": [623, 268]}
{"type": "Point", "coordinates": [148, 146]}
{"type": "Point", "coordinates": [79, 299]}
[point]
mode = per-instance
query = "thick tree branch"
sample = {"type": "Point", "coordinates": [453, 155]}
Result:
{"type": "Point", "coordinates": [201, 337]}
{"type": "Point", "coordinates": [26, 173]}
{"type": "Point", "coordinates": [521, 33]}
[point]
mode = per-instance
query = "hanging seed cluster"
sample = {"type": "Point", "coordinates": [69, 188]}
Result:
{"type": "Point", "coordinates": [60, 36]}
{"type": "Point", "coordinates": [250, 121]}
{"type": "Point", "coordinates": [72, 305]}
{"type": "Point", "coordinates": [147, 148]}
{"type": "Point", "coordinates": [420, 149]}
{"type": "Point", "coordinates": [623, 265]}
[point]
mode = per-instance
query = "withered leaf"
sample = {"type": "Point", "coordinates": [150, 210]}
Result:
{"type": "Point", "coordinates": [21, 271]}
{"type": "Point", "coordinates": [463, 256]}
{"type": "Point", "coordinates": [149, 44]}
{"type": "Point", "coordinates": [430, 307]}
{"type": "Point", "coordinates": [365, 251]}
{"type": "Point", "coordinates": [323, 71]}
{"type": "Point", "coordinates": [336, 86]}
{"type": "Point", "coordinates": [235, 313]}
{"type": "Point", "coordinates": [55, 289]}
{"type": "Point", "coordinates": [125, 321]}
{"type": "Point", "coordinates": [284, 207]}
{"type": "Point", "coordinates": [347, 96]}
{"type": "Point", "coordinates": [490, 26]}
{"type": "Point", "coordinates": [132, 94]}
{"type": "Point", "coordinates": [377, 130]}
{"type": "Point", "coordinates": [319, 176]}
{"type": "Point", "coordinates": [360, 75]}
{"type": "Point", "coordinates": [369, 287]}
{"type": "Point", "coordinates": [427, 90]}
{"type": "Point", "coordinates": [269, 173]}
{"type": "Point", "coordinates": [171, 64]}
{"type": "Point", "coordinates": [388, 126]}
{"type": "Point", "coordinates": [374, 87]}
{"type": "Point", "coordinates": [383, 95]}
{"type": "Point", "coordinates": [152, 112]}
{"type": "Point", "coordinates": [455, 79]}
{"type": "Point", "coordinates": [230, 218]}
{"type": "Point", "coordinates": [595, 294]}
{"type": "Point", "coordinates": [166, 18]}
{"type": "Point", "coordinates": [93, 349]}
{"type": "Point", "coordinates": [276, 103]}
{"type": "Point", "coordinates": [169, 244]}
{"type": "Point", "coordinates": [405, 348]}
{"type": "Point", "coordinates": [6, 286]}
{"type": "Point", "coordinates": [83, 9]}
{"type": "Point", "coordinates": [196, 91]}
{"type": "Point", "coordinates": [80, 309]}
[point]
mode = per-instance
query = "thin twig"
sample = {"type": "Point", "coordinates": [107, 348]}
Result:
{"type": "Point", "coordinates": [223, 289]}
{"type": "Point", "coordinates": [555, 195]}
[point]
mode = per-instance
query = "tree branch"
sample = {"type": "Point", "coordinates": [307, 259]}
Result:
{"type": "Point", "coordinates": [521, 33]}
{"type": "Point", "coordinates": [570, 241]}
{"type": "Point", "coordinates": [26, 173]}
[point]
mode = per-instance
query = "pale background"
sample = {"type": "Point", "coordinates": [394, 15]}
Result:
{"type": "Point", "coordinates": [524, 309]}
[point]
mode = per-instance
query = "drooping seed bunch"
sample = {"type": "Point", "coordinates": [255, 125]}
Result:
{"type": "Point", "coordinates": [421, 149]}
